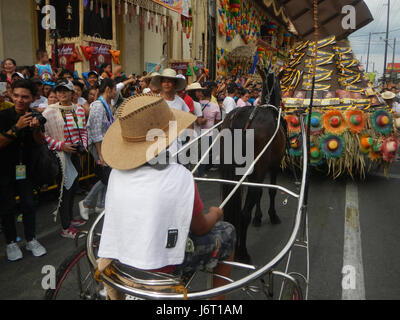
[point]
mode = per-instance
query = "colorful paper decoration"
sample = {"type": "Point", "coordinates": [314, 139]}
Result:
{"type": "Point", "coordinates": [334, 122]}
{"type": "Point", "coordinates": [76, 56]}
{"type": "Point", "coordinates": [296, 145]}
{"type": "Point", "coordinates": [332, 146]}
{"type": "Point", "coordinates": [87, 52]}
{"type": "Point", "coordinates": [389, 148]}
{"type": "Point", "coordinates": [366, 143]}
{"type": "Point", "coordinates": [235, 7]}
{"type": "Point", "coordinates": [189, 72]}
{"type": "Point", "coordinates": [316, 156]}
{"type": "Point", "coordinates": [115, 55]}
{"type": "Point", "coordinates": [356, 121]}
{"type": "Point", "coordinates": [316, 123]}
{"type": "Point", "coordinates": [293, 124]}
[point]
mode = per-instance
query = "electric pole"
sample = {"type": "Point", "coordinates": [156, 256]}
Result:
{"type": "Point", "coordinates": [394, 57]}
{"type": "Point", "coordinates": [387, 43]}
{"type": "Point", "coordinates": [369, 47]}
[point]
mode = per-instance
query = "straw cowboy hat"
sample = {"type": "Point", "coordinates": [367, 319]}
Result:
{"type": "Point", "coordinates": [151, 75]}
{"type": "Point", "coordinates": [129, 144]}
{"type": "Point", "coordinates": [169, 74]}
{"type": "Point", "coordinates": [388, 95]}
{"type": "Point", "coordinates": [195, 86]}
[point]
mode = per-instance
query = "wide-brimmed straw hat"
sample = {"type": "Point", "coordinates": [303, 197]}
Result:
{"type": "Point", "coordinates": [169, 74]}
{"type": "Point", "coordinates": [195, 86]}
{"type": "Point", "coordinates": [133, 138]}
{"type": "Point", "coordinates": [388, 95]}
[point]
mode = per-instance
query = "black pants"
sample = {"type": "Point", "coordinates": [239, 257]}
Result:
{"type": "Point", "coordinates": [8, 211]}
{"type": "Point", "coordinates": [67, 204]}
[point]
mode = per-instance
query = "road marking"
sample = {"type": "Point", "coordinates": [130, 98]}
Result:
{"type": "Point", "coordinates": [352, 289]}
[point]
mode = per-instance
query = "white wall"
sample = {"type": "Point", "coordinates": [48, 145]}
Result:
{"type": "Point", "coordinates": [133, 50]}
{"type": "Point", "coordinates": [153, 45]}
{"type": "Point", "coordinates": [16, 31]}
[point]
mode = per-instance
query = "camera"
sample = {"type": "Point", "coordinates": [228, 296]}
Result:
{"type": "Point", "coordinates": [36, 114]}
{"type": "Point", "coordinates": [80, 149]}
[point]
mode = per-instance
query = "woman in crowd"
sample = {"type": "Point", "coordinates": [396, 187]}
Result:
{"type": "Point", "coordinates": [106, 71]}
{"type": "Point", "coordinates": [244, 99]}
{"type": "Point", "coordinates": [91, 96]}
{"type": "Point", "coordinates": [78, 99]}
{"type": "Point", "coordinates": [67, 135]}
{"type": "Point", "coordinates": [212, 115]}
{"type": "Point", "coordinates": [9, 68]}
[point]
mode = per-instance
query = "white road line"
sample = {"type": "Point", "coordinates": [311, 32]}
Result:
{"type": "Point", "coordinates": [353, 287]}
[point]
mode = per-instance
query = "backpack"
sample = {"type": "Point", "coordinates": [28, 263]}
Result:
{"type": "Point", "coordinates": [46, 166]}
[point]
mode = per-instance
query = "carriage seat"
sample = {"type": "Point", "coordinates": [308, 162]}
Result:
{"type": "Point", "coordinates": [135, 278]}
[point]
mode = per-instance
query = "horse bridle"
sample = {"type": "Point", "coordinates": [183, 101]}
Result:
{"type": "Point", "coordinates": [269, 91]}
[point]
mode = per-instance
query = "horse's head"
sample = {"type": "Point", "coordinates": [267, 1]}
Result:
{"type": "Point", "coordinates": [271, 93]}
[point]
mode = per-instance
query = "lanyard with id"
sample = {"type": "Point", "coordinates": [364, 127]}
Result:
{"type": "Point", "coordinates": [20, 170]}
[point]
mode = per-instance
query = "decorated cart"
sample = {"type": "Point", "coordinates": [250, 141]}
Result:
{"type": "Point", "coordinates": [352, 127]}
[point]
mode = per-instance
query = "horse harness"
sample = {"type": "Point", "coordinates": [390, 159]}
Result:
{"type": "Point", "coordinates": [252, 116]}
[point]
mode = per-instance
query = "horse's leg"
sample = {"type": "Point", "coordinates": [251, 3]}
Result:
{"type": "Point", "coordinates": [253, 196]}
{"type": "Point", "coordinates": [258, 216]}
{"type": "Point", "coordinates": [272, 194]}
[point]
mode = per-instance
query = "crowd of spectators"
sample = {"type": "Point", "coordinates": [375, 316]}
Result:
{"type": "Point", "coordinates": [71, 114]}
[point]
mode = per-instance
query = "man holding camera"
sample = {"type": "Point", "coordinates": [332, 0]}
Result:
{"type": "Point", "coordinates": [20, 133]}
{"type": "Point", "coordinates": [66, 134]}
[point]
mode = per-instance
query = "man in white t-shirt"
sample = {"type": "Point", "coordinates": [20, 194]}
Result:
{"type": "Point", "coordinates": [229, 102]}
{"type": "Point", "coordinates": [169, 83]}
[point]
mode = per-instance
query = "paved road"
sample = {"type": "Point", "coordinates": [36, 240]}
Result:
{"type": "Point", "coordinates": [378, 216]}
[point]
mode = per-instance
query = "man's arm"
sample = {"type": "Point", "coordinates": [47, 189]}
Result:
{"type": "Point", "coordinates": [203, 223]}
{"type": "Point", "coordinates": [9, 136]}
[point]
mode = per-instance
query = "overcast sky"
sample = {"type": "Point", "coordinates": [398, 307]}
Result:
{"type": "Point", "coordinates": [359, 39]}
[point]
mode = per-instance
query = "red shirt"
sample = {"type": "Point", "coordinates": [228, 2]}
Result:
{"type": "Point", "coordinates": [189, 101]}
{"type": "Point", "coordinates": [197, 209]}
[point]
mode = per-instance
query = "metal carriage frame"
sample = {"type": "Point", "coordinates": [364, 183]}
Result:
{"type": "Point", "coordinates": [297, 240]}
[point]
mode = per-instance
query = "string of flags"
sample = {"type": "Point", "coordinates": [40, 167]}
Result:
{"type": "Point", "coordinates": [146, 13]}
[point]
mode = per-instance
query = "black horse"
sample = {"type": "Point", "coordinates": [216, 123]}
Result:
{"type": "Point", "coordinates": [263, 120]}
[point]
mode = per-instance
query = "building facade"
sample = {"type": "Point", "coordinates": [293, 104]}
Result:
{"type": "Point", "coordinates": [140, 34]}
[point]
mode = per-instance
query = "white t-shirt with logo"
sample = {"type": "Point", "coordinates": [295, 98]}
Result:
{"type": "Point", "coordinates": [179, 104]}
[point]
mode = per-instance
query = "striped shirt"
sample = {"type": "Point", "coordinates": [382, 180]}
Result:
{"type": "Point", "coordinates": [72, 135]}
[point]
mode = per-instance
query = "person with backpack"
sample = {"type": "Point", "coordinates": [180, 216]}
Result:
{"type": "Point", "coordinates": [101, 117]}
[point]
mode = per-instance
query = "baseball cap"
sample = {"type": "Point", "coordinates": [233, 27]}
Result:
{"type": "Point", "coordinates": [65, 84]}
{"type": "Point", "coordinates": [18, 74]}
{"type": "Point", "coordinates": [93, 72]}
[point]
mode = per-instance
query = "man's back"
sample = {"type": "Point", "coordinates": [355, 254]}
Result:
{"type": "Point", "coordinates": [148, 216]}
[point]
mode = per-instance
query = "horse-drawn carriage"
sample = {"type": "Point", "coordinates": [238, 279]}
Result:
{"type": "Point", "coordinates": [270, 144]}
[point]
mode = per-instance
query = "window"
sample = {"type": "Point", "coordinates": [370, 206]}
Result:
{"type": "Point", "coordinates": [96, 25]}
{"type": "Point", "coordinates": [67, 28]}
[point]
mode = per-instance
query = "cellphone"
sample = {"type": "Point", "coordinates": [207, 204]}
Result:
{"type": "Point", "coordinates": [3, 88]}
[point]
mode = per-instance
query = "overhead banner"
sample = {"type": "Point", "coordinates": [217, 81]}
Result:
{"type": "Point", "coordinates": [101, 55]}
{"type": "Point", "coordinates": [65, 52]}
{"type": "Point", "coordinates": [180, 6]}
